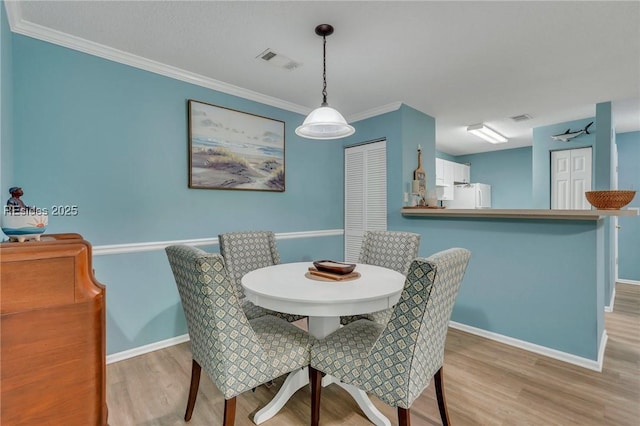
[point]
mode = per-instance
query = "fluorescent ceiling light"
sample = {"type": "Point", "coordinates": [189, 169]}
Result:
{"type": "Point", "coordinates": [486, 133]}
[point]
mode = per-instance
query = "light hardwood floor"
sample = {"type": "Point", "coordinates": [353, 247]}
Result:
{"type": "Point", "coordinates": [486, 383]}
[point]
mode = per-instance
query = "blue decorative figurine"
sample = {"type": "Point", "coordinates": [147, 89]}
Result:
{"type": "Point", "coordinates": [15, 203]}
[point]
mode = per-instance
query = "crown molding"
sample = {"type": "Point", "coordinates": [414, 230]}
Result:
{"type": "Point", "coordinates": [394, 106]}
{"type": "Point", "coordinates": [14, 13]}
{"type": "Point", "coordinates": [19, 26]}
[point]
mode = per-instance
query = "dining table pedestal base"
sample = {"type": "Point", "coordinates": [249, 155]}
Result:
{"type": "Point", "coordinates": [294, 381]}
{"type": "Point", "coordinates": [285, 287]}
{"type": "Point", "coordinates": [319, 327]}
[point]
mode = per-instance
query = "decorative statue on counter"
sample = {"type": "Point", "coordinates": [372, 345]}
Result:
{"type": "Point", "coordinates": [21, 222]}
{"type": "Point", "coordinates": [419, 184]}
{"type": "Point", "coordinates": [15, 203]}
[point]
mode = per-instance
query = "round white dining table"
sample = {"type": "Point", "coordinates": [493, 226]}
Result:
{"type": "Point", "coordinates": [287, 287]}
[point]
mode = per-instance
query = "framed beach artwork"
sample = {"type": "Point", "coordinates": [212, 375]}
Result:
{"type": "Point", "coordinates": [231, 149]}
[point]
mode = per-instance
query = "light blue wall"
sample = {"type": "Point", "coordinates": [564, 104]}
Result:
{"type": "Point", "coordinates": [6, 105]}
{"type": "Point", "coordinates": [600, 139]}
{"type": "Point", "coordinates": [403, 129]}
{"type": "Point", "coordinates": [602, 179]}
{"type": "Point", "coordinates": [509, 174]}
{"type": "Point", "coordinates": [533, 280]}
{"type": "Point", "coordinates": [629, 178]}
{"type": "Point", "coordinates": [445, 156]}
{"type": "Point", "coordinates": [603, 146]}
{"type": "Point", "coordinates": [525, 276]}
{"type": "Point", "coordinates": [418, 129]}
{"type": "Point", "coordinates": [112, 140]}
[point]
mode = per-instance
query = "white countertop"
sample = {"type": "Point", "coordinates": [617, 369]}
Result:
{"type": "Point", "coordinates": [519, 213]}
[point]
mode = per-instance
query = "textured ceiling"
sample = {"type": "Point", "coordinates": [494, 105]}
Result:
{"type": "Point", "coordinates": [460, 62]}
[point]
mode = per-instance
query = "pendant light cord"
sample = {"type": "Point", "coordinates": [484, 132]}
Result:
{"type": "Point", "coordinates": [324, 70]}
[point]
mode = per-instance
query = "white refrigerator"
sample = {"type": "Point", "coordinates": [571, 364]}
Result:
{"type": "Point", "coordinates": [470, 196]}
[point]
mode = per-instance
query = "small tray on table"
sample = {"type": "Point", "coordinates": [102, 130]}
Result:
{"type": "Point", "coordinates": [332, 270]}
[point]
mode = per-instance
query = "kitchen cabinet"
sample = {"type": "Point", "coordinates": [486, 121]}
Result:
{"type": "Point", "coordinates": [444, 179]}
{"type": "Point", "coordinates": [449, 173]}
{"type": "Point", "coordinates": [461, 173]}
{"type": "Point", "coordinates": [439, 172]}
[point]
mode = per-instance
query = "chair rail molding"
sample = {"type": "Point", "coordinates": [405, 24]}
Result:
{"type": "Point", "coordinates": [160, 245]}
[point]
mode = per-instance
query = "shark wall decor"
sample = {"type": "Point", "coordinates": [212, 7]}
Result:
{"type": "Point", "coordinates": [568, 135]}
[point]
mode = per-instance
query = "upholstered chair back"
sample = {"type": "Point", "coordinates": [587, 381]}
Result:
{"type": "Point", "coordinates": [410, 350]}
{"type": "Point", "coordinates": [390, 249]}
{"type": "Point", "coordinates": [222, 340]}
{"type": "Point", "coordinates": [247, 251]}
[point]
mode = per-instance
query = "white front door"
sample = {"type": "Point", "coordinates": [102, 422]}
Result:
{"type": "Point", "coordinates": [570, 178]}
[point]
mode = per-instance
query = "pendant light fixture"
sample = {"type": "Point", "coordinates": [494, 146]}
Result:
{"type": "Point", "coordinates": [324, 122]}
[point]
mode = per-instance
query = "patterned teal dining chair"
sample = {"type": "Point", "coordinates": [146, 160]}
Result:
{"type": "Point", "coordinates": [245, 252]}
{"type": "Point", "coordinates": [389, 249]}
{"type": "Point", "coordinates": [238, 354]}
{"type": "Point", "coordinates": [396, 361]}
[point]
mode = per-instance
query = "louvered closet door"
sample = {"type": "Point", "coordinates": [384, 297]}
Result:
{"type": "Point", "coordinates": [365, 194]}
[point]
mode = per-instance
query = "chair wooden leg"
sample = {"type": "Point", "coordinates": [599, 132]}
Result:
{"type": "Point", "coordinates": [229, 411]}
{"type": "Point", "coordinates": [193, 389]}
{"type": "Point", "coordinates": [404, 417]}
{"type": "Point", "coordinates": [315, 376]}
{"type": "Point", "coordinates": [442, 402]}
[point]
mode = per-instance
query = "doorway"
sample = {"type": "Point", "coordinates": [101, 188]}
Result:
{"type": "Point", "coordinates": [570, 178]}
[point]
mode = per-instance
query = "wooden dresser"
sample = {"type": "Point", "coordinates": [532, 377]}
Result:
{"type": "Point", "coordinates": [52, 334]}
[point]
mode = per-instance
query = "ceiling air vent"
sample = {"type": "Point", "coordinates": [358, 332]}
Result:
{"type": "Point", "coordinates": [521, 117]}
{"type": "Point", "coordinates": [278, 60]}
{"type": "Point", "coordinates": [268, 56]}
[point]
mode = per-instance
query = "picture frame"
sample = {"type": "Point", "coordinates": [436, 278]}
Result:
{"type": "Point", "coordinates": [231, 149]}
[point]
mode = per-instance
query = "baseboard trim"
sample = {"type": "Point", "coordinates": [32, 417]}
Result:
{"type": "Point", "coordinates": [609, 308]}
{"type": "Point", "coordinates": [531, 347]}
{"type": "Point", "coordinates": [141, 350]}
{"type": "Point", "coordinates": [590, 364]}
{"type": "Point", "coordinates": [633, 282]}
{"type": "Point", "coordinates": [160, 245]}
{"type": "Point", "coordinates": [602, 348]}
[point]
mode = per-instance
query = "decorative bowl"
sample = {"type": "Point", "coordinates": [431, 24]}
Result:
{"type": "Point", "coordinates": [609, 200]}
{"type": "Point", "coordinates": [24, 225]}
{"type": "Point", "coordinates": [334, 267]}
